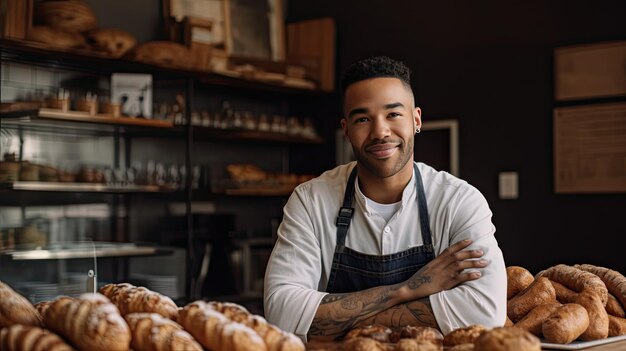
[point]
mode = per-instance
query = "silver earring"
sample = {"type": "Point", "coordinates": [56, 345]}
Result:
{"type": "Point", "coordinates": [417, 130]}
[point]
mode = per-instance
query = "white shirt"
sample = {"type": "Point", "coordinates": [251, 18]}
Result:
{"type": "Point", "coordinates": [299, 267]}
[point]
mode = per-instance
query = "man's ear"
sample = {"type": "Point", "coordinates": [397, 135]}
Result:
{"type": "Point", "coordinates": [417, 115]}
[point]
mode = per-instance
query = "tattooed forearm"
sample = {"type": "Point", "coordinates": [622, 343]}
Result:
{"type": "Point", "coordinates": [337, 313]}
{"type": "Point", "coordinates": [417, 313]}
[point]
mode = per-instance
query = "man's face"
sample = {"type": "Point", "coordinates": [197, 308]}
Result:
{"type": "Point", "coordinates": [380, 122]}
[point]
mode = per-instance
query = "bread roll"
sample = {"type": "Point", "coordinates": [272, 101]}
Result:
{"type": "Point", "coordinates": [153, 332]}
{"type": "Point", "coordinates": [507, 339]}
{"type": "Point", "coordinates": [539, 292]}
{"type": "Point", "coordinates": [533, 320]}
{"type": "Point", "coordinates": [28, 338]}
{"type": "Point", "coordinates": [418, 333]}
{"type": "Point", "coordinates": [55, 37]}
{"type": "Point", "coordinates": [617, 326]}
{"type": "Point", "coordinates": [615, 282]}
{"type": "Point", "coordinates": [113, 41]}
{"type": "Point", "coordinates": [129, 298]}
{"type": "Point", "coordinates": [563, 293]}
{"type": "Point", "coordinates": [362, 344]}
{"type": "Point", "coordinates": [518, 278]}
{"type": "Point", "coordinates": [463, 335]}
{"type": "Point", "coordinates": [216, 332]}
{"type": "Point", "coordinates": [377, 332]}
{"type": "Point", "coordinates": [162, 53]}
{"type": "Point", "coordinates": [91, 322]}
{"type": "Point", "coordinates": [565, 324]}
{"type": "Point", "coordinates": [417, 345]}
{"type": "Point", "coordinates": [232, 311]}
{"type": "Point", "coordinates": [462, 347]}
{"type": "Point", "coordinates": [16, 309]}
{"type": "Point", "coordinates": [598, 318]}
{"type": "Point", "coordinates": [274, 338]}
{"type": "Point", "coordinates": [69, 15]}
{"type": "Point", "coordinates": [577, 280]}
{"type": "Point", "coordinates": [508, 322]}
{"type": "Point", "coordinates": [614, 308]}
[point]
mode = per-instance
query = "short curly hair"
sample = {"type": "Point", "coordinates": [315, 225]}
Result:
{"type": "Point", "coordinates": [375, 67]}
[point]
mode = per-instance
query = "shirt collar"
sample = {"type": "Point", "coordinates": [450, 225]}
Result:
{"type": "Point", "coordinates": [408, 194]}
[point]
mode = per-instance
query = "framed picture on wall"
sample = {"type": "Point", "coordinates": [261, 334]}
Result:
{"type": "Point", "coordinates": [243, 28]}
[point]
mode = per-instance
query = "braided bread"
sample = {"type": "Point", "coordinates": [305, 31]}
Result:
{"type": "Point", "coordinates": [90, 322]}
{"type": "Point", "coordinates": [28, 338]}
{"type": "Point", "coordinates": [16, 309]}
{"type": "Point", "coordinates": [129, 298]}
{"type": "Point", "coordinates": [615, 282]}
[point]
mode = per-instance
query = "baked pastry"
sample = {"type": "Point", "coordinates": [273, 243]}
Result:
{"type": "Point", "coordinates": [232, 311]}
{"type": "Point", "coordinates": [517, 278]}
{"type": "Point", "coordinates": [28, 338]}
{"type": "Point", "coordinates": [216, 332]}
{"type": "Point", "coordinates": [563, 293]}
{"type": "Point", "coordinates": [90, 322]}
{"type": "Point", "coordinates": [162, 53]}
{"type": "Point", "coordinates": [69, 15]}
{"type": "Point", "coordinates": [539, 292]}
{"type": "Point", "coordinates": [153, 332]}
{"type": "Point", "coordinates": [614, 281]}
{"type": "Point", "coordinates": [463, 335]}
{"type": "Point", "coordinates": [598, 318]}
{"type": "Point", "coordinates": [565, 324]}
{"type": "Point", "coordinates": [113, 41]}
{"type": "Point", "coordinates": [417, 345]}
{"type": "Point", "coordinates": [508, 322]}
{"type": "Point", "coordinates": [462, 347]}
{"type": "Point", "coordinates": [129, 298]}
{"type": "Point", "coordinates": [16, 309]}
{"type": "Point", "coordinates": [507, 339]}
{"type": "Point", "coordinates": [617, 326]}
{"type": "Point", "coordinates": [55, 37]}
{"type": "Point", "coordinates": [377, 332]}
{"type": "Point", "coordinates": [614, 308]}
{"type": "Point", "coordinates": [418, 333]}
{"type": "Point", "coordinates": [533, 320]}
{"type": "Point", "coordinates": [577, 280]}
{"type": "Point", "coordinates": [362, 344]}
{"type": "Point", "coordinates": [274, 338]}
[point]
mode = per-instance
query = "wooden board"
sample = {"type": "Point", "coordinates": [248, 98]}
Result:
{"type": "Point", "coordinates": [78, 116]}
{"type": "Point", "coordinates": [312, 44]}
{"type": "Point", "coordinates": [590, 71]}
{"type": "Point", "coordinates": [590, 149]}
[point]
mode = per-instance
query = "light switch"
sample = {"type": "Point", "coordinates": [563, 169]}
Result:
{"type": "Point", "coordinates": [508, 185]}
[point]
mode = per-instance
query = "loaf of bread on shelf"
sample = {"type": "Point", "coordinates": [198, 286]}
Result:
{"type": "Point", "coordinates": [162, 53]}
{"type": "Point", "coordinates": [129, 298]}
{"type": "Point", "coordinates": [72, 16]}
{"type": "Point", "coordinates": [153, 332]}
{"type": "Point", "coordinates": [216, 332]}
{"type": "Point", "coordinates": [113, 41]}
{"type": "Point", "coordinates": [16, 309]}
{"type": "Point", "coordinates": [54, 37]}
{"type": "Point", "coordinates": [28, 338]}
{"type": "Point", "coordinates": [90, 322]}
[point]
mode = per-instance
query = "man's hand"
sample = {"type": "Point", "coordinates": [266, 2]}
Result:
{"type": "Point", "coordinates": [445, 271]}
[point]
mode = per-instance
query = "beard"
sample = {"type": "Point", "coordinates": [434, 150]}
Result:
{"type": "Point", "coordinates": [386, 167]}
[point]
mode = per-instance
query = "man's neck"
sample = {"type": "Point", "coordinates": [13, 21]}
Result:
{"type": "Point", "coordinates": [385, 190]}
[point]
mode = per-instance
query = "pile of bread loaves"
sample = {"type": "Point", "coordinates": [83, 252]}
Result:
{"type": "Point", "coordinates": [124, 317]}
{"type": "Point", "coordinates": [413, 338]}
{"type": "Point", "coordinates": [566, 303]}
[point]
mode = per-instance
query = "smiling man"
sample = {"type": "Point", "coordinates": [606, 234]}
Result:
{"type": "Point", "coordinates": [384, 240]}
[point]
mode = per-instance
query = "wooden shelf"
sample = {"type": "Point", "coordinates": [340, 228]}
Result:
{"type": "Point", "coordinates": [78, 116]}
{"type": "Point", "coordinates": [207, 133]}
{"type": "Point", "coordinates": [79, 187]}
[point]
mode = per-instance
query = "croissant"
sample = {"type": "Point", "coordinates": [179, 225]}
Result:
{"type": "Point", "coordinates": [129, 298]}
{"type": "Point", "coordinates": [274, 338]}
{"type": "Point", "coordinates": [28, 338]}
{"type": "Point", "coordinates": [216, 332]}
{"type": "Point", "coordinates": [90, 322]}
{"type": "Point", "coordinates": [153, 332]}
{"type": "Point", "coordinates": [16, 309]}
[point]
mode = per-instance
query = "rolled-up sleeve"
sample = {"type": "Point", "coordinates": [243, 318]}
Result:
{"type": "Point", "coordinates": [481, 301]}
{"type": "Point", "coordinates": [293, 272]}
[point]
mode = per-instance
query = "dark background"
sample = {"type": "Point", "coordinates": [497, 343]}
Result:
{"type": "Point", "coordinates": [489, 65]}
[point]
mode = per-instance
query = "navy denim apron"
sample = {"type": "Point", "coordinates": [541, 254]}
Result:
{"type": "Point", "coordinates": [355, 271]}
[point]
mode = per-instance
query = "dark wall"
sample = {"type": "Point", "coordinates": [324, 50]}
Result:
{"type": "Point", "coordinates": [489, 64]}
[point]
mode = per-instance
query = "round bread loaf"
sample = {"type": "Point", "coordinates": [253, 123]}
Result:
{"type": "Point", "coordinates": [418, 333]}
{"type": "Point", "coordinates": [55, 37]}
{"type": "Point", "coordinates": [507, 339]}
{"type": "Point", "coordinates": [417, 345]}
{"type": "Point", "coordinates": [464, 335]}
{"type": "Point", "coordinates": [112, 41]}
{"type": "Point", "coordinates": [377, 332]}
{"type": "Point", "coordinates": [69, 15]}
